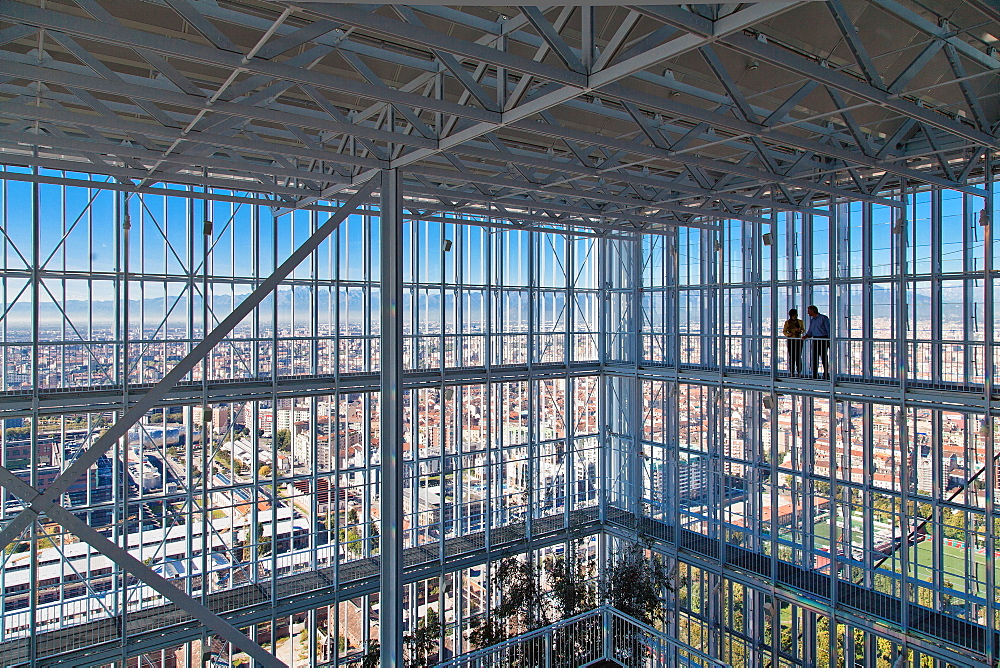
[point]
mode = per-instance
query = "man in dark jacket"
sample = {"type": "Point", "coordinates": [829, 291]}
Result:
{"type": "Point", "coordinates": [819, 332]}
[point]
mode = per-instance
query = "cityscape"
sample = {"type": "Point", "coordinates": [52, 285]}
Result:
{"type": "Point", "coordinates": [291, 484]}
{"type": "Point", "coordinates": [466, 336]}
{"type": "Point", "coordinates": [516, 418]}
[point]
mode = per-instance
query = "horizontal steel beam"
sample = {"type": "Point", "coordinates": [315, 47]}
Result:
{"type": "Point", "coordinates": [109, 397]}
{"type": "Point", "coordinates": [875, 391]}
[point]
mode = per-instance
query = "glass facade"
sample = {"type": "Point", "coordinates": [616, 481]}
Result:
{"type": "Point", "coordinates": [256, 482]}
{"type": "Point", "coordinates": [870, 494]}
{"type": "Point", "coordinates": [560, 392]}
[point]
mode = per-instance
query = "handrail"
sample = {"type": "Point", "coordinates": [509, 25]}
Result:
{"type": "Point", "coordinates": [620, 638]}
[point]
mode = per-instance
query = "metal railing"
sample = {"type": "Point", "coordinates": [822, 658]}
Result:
{"type": "Point", "coordinates": [603, 634]}
{"type": "Point", "coordinates": [953, 364]}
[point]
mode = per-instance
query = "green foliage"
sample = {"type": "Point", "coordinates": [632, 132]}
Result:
{"type": "Point", "coordinates": [372, 656]}
{"type": "Point", "coordinates": [521, 607]}
{"type": "Point", "coordinates": [156, 417]}
{"type": "Point", "coordinates": [636, 582]}
{"type": "Point", "coordinates": [953, 522]}
{"type": "Point", "coordinates": [423, 643]}
{"type": "Point", "coordinates": [350, 538]}
{"type": "Point", "coordinates": [283, 439]}
{"type": "Point", "coordinates": [263, 542]}
{"type": "Point", "coordinates": [569, 579]}
{"type": "Point", "coordinates": [223, 457]}
{"type": "Point", "coordinates": [18, 433]}
{"type": "Point", "coordinates": [17, 547]}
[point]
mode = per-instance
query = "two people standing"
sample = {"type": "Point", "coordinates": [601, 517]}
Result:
{"type": "Point", "coordinates": [819, 332]}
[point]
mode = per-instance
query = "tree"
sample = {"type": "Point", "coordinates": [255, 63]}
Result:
{"type": "Point", "coordinates": [636, 581]}
{"type": "Point", "coordinates": [424, 641]}
{"type": "Point", "coordinates": [486, 631]}
{"type": "Point", "coordinates": [263, 542]}
{"type": "Point", "coordinates": [265, 471]}
{"type": "Point", "coordinates": [569, 579]}
{"type": "Point", "coordinates": [570, 583]}
{"type": "Point", "coordinates": [373, 656]}
{"type": "Point", "coordinates": [18, 433]}
{"type": "Point", "coordinates": [515, 583]}
{"type": "Point", "coordinates": [283, 439]}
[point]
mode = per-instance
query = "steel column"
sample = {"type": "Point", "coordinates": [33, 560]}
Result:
{"type": "Point", "coordinates": [391, 421]}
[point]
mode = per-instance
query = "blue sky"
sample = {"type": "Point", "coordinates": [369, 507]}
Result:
{"type": "Point", "coordinates": [79, 232]}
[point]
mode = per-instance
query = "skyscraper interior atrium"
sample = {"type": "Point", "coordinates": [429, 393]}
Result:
{"type": "Point", "coordinates": [490, 336]}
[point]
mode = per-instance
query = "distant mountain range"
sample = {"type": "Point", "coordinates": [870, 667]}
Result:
{"type": "Point", "coordinates": [81, 311]}
{"type": "Point", "coordinates": [103, 312]}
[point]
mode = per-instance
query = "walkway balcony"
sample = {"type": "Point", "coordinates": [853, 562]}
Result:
{"type": "Point", "coordinates": [602, 637]}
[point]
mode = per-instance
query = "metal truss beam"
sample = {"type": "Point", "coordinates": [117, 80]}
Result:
{"type": "Point", "coordinates": [287, 142]}
{"type": "Point", "coordinates": [564, 93]}
{"type": "Point", "coordinates": [54, 76]}
{"type": "Point", "coordinates": [508, 29]}
{"type": "Point", "coordinates": [152, 157]}
{"type": "Point", "coordinates": [757, 48]}
{"type": "Point", "coordinates": [520, 208]}
{"type": "Point", "coordinates": [871, 92]}
{"type": "Point", "coordinates": [57, 115]}
{"type": "Point", "coordinates": [587, 222]}
{"type": "Point", "coordinates": [564, 193]}
{"type": "Point", "coordinates": [613, 173]}
{"type": "Point", "coordinates": [675, 154]}
{"type": "Point", "coordinates": [943, 34]}
{"type": "Point", "coordinates": [168, 46]}
{"type": "Point", "coordinates": [66, 76]}
{"type": "Point", "coordinates": [848, 157]}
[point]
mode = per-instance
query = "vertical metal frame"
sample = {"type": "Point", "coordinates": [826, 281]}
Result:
{"type": "Point", "coordinates": [391, 421]}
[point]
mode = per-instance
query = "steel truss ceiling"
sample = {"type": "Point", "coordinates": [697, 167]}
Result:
{"type": "Point", "coordinates": [602, 118]}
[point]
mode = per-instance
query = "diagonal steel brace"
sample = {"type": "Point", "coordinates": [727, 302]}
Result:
{"type": "Point", "coordinates": [39, 503]}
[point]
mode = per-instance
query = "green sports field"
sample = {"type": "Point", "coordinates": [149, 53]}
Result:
{"type": "Point", "coordinates": [958, 565]}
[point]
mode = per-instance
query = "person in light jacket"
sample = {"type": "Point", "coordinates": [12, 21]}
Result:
{"type": "Point", "coordinates": [793, 331]}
